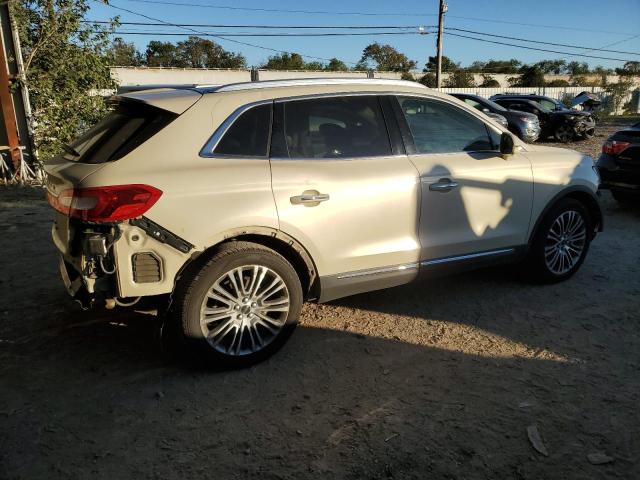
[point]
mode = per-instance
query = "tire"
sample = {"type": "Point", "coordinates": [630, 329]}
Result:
{"type": "Point", "coordinates": [589, 133]}
{"type": "Point", "coordinates": [564, 133]}
{"type": "Point", "coordinates": [239, 328]}
{"type": "Point", "coordinates": [626, 198]}
{"type": "Point", "coordinates": [571, 246]}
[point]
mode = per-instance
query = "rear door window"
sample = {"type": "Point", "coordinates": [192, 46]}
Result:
{"type": "Point", "coordinates": [336, 127]}
{"type": "Point", "coordinates": [437, 127]}
{"type": "Point", "coordinates": [248, 136]}
{"type": "Point", "coordinates": [120, 132]}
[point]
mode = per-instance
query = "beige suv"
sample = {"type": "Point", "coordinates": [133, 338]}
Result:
{"type": "Point", "coordinates": [229, 206]}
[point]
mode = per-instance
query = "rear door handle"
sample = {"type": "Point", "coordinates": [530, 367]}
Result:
{"type": "Point", "coordinates": [309, 198]}
{"type": "Point", "coordinates": [443, 185]}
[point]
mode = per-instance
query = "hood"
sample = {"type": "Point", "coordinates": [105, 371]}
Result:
{"type": "Point", "coordinates": [586, 97]}
{"type": "Point", "coordinates": [519, 113]}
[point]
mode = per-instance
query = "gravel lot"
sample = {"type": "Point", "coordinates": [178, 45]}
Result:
{"type": "Point", "coordinates": [433, 380]}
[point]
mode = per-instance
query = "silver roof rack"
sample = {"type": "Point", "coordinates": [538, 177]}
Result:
{"type": "Point", "coordinates": [234, 87]}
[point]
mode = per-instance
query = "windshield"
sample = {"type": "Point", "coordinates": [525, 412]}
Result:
{"type": "Point", "coordinates": [121, 131]}
{"type": "Point", "coordinates": [493, 105]}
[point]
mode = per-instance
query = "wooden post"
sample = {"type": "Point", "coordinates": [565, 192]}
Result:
{"type": "Point", "coordinates": [6, 104]}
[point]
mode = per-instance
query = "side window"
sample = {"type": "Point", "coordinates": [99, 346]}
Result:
{"type": "Point", "coordinates": [473, 104]}
{"type": "Point", "coordinates": [437, 127]}
{"type": "Point", "coordinates": [548, 104]}
{"type": "Point", "coordinates": [248, 136]}
{"type": "Point", "coordinates": [336, 127]}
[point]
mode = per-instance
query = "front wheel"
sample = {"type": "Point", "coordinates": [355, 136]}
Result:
{"type": "Point", "coordinates": [240, 307]}
{"type": "Point", "coordinates": [564, 133]}
{"type": "Point", "coordinates": [561, 242]}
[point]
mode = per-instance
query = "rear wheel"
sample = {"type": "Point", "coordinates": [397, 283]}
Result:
{"type": "Point", "coordinates": [240, 307]}
{"type": "Point", "coordinates": [561, 242]}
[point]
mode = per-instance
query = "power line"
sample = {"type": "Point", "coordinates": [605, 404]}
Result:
{"type": "Point", "coordinates": [216, 36]}
{"type": "Point", "coordinates": [262, 34]}
{"type": "Point", "coordinates": [537, 49]}
{"type": "Point", "coordinates": [545, 43]}
{"type": "Point", "coordinates": [210, 25]}
{"type": "Point", "coordinates": [371, 14]}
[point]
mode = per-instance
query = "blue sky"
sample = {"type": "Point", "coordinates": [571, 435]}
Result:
{"type": "Point", "coordinates": [587, 23]}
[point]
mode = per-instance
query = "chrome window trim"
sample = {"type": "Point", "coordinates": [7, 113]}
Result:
{"type": "Point", "coordinates": [375, 271]}
{"type": "Point", "coordinates": [207, 151]}
{"type": "Point", "coordinates": [470, 256]}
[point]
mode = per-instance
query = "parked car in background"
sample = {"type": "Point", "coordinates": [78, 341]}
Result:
{"type": "Point", "coordinates": [524, 125]}
{"type": "Point", "coordinates": [619, 165]}
{"type": "Point", "coordinates": [229, 206]}
{"type": "Point", "coordinates": [564, 125]}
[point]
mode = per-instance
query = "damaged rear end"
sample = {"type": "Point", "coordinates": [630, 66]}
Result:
{"type": "Point", "coordinates": [110, 253]}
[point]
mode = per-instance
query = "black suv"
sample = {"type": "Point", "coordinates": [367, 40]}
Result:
{"type": "Point", "coordinates": [556, 120]}
{"type": "Point", "coordinates": [619, 164]}
{"type": "Point", "coordinates": [524, 125]}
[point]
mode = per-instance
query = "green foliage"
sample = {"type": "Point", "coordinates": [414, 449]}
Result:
{"type": "Point", "coordinates": [66, 66]}
{"type": "Point", "coordinates": [629, 68]}
{"type": "Point", "coordinates": [461, 79]}
{"type": "Point", "coordinates": [336, 65]}
{"type": "Point", "coordinates": [448, 65]}
{"type": "Point", "coordinates": [123, 54]}
{"type": "Point", "coordinates": [489, 82]}
{"type": "Point", "coordinates": [558, 83]}
{"type": "Point", "coordinates": [407, 76]}
{"type": "Point", "coordinates": [495, 66]}
{"type": "Point", "coordinates": [551, 66]}
{"type": "Point", "coordinates": [530, 76]}
{"type": "Point", "coordinates": [285, 61]}
{"type": "Point", "coordinates": [577, 68]}
{"type": "Point", "coordinates": [195, 52]}
{"type": "Point", "coordinates": [618, 93]}
{"type": "Point", "coordinates": [387, 58]}
{"type": "Point", "coordinates": [428, 80]}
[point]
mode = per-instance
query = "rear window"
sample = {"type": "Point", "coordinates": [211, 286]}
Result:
{"type": "Point", "coordinates": [121, 131]}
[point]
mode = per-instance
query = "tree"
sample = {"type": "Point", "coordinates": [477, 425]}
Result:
{"type": "Point", "coordinates": [448, 65]}
{"type": "Point", "coordinates": [460, 78]}
{"type": "Point", "coordinates": [551, 66]}
{"type": "Point", "coordinates": [124, 54]}
{"type": "Point", "coordinates": [558, 83]}
{"type": "Point", "coordinates": [577, 68]}
{"type": "Point", "coordinates": [387, 58]}
{"type": "Point", "coordinates": [530, 76]}
{"type": "Point", "coordinates": [489, 82]}
{"type": "Point", "coordinates": [428, 80]}
{"type": "Point", "coordinates": [161, 54]}
{"type": "Point", "coordinates": [65, 63]}
{"type": "Point", "coordinates": [336, 65]}
{"type": "Point", "coordinates": [495, 66]}
{"type": "Point", "coordinates": [314, 66]}
{"type": "Point", "coordinates": [285, 61]}
{"type": "Point", "coordinates": [196, 52]}
{"type": "Point", "coordinates": [629, 68]}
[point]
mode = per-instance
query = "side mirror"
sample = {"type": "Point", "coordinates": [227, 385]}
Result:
{"type": "Point", "coordinates": [507, 147]}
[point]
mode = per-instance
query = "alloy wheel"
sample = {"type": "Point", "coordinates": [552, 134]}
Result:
{"type": "Point", "coordinates": [244, 310]}
{"type": "Point", "coordinates": [565, 242]}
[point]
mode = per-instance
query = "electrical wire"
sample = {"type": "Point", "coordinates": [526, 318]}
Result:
{"type": "Point", "coordinates": [544, 43]}
{"type": "Point", "coordinates": [537, 49]}
{"type": "Point", "coordinates": [209, 25]}
{"type": "Point", "coordinates": [260, 34]}
{"type": "Point", "coordinates": [215, 36]}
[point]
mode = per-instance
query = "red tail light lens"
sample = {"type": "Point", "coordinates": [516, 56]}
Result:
{"type": "Point", "coordinates": [614, 147]}
{"type": "Point", "coordinates": [106, 204]}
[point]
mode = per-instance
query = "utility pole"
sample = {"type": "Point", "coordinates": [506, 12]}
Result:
{"type": "Point", "coordinates": [6, 98]}
{"type": "Point", "coordinates": [443, 9]}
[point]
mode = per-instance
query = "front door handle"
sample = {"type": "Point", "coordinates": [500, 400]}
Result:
{"type": "Point", "coordinates": [309, 198]}
{"type": "Point", "coordinates": [443, 185]}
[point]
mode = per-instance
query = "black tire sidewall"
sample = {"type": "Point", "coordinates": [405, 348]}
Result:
{"type": "Point", "coordinates": [187, 313]}
{"type": "Point", "coordinates": [536, 258]}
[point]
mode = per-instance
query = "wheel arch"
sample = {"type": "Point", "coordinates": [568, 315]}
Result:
{"type": "Point", "coordinates": [583, 195]}
{"type": "Point", "coordinates": [292, 250]}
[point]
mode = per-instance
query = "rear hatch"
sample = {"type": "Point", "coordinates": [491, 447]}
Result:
{"type": "Point", "coordinates": [134, 119]}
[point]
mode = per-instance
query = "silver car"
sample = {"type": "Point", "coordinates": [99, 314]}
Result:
{"type": "Point", "coordinates": [227, 207]}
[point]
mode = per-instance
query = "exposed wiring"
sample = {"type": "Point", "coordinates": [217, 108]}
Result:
{"type": "Point", "coordinates": [126, 304]}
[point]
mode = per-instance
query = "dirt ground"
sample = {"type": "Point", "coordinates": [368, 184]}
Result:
{"type": "Point", "coordinates": [433, 380]}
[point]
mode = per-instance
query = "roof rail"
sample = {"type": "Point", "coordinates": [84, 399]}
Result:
{"type": "Point", "coordinates": [234, 87]}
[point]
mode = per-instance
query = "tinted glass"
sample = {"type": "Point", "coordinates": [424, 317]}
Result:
{"type": "Point", "coordinates": [120, 132]}
{"type": "Point", "coordinates": [437, 127]}
{"type": "Point", "coordinates": [335, 128]}
{"type": "Point", "coordinates": [248, 136]}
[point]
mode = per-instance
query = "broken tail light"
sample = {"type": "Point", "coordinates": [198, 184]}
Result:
{"type": "Point", "coordinates": [614, 147]}
{"type": "Point", "coordinates": [106, 204]}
